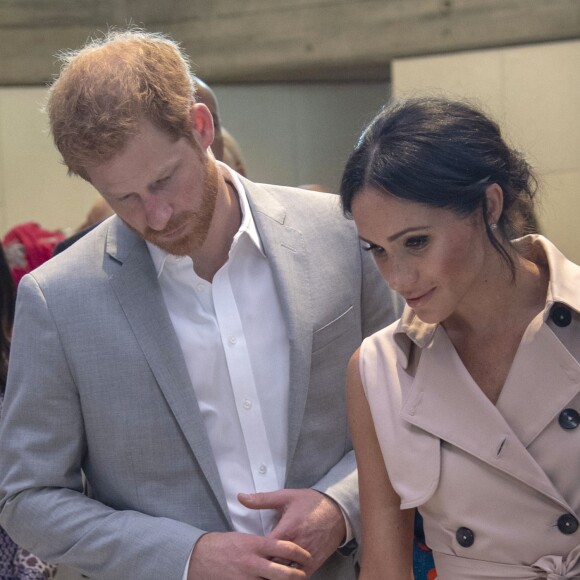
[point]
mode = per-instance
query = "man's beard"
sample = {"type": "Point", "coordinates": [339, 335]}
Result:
{"type": "Point", "coordinates": [195, 224]}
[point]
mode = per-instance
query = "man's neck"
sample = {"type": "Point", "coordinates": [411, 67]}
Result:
{"type": "Point", "coordinates": [226, 222]}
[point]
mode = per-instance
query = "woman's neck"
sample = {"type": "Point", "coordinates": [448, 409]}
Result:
{"type": "Point", "coordinates": [502, 299]}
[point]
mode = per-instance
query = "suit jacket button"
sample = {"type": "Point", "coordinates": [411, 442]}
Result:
{"type": "Point", "coordinates": [567, 524]}
{"type": "Point", "coordinates": [569, 419]}
{"type": "Point", "coordinates": [465, 537]}
{"type": "Point", "coordinates": [560, 314]}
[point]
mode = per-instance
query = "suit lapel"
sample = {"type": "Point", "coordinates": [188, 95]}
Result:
{"type": "Point", "coordinates": [445, 401]}
{"type": "Point", "coordinates": [285, 249]}
{"type": "Point", "coordinates": [137, 289]}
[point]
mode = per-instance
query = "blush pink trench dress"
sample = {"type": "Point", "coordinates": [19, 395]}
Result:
{"type": "Point", "coordinates": [498, 485]}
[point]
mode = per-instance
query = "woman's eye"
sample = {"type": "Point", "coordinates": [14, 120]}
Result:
{"type": "Point", "coordinates": [416, 242]}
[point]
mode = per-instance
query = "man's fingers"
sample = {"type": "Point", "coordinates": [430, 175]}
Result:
{"type": "Point", "coordinates": [285, 571]}
{"type": "Point", "coordinates": [289, 554]}
{"type": "Point", "coordinates": [236, 556]}
{"type": "Point", "coordinates": [273, 500]}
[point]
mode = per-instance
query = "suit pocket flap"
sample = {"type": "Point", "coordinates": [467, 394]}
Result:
{"type": "Point", "coordinates": [333, 330]}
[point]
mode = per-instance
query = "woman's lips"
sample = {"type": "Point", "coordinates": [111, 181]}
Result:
{"type": "Point", "coordinates": [419, 300]}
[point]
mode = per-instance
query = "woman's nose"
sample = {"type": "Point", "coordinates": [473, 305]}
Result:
{"type": "Point", "coordinates": [400, 277]}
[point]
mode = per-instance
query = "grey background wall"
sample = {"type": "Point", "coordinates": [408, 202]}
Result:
{"type": "Point", "coordinates": [297, 133]}
{"type": "Point", "coordinates": [503, 52]}
{"type": "Point", "coordinates": [290, 134]}
{"type": "Point", "coordinates": [33, 184]}
{"type": "Point", "coordinates": [534, 92]}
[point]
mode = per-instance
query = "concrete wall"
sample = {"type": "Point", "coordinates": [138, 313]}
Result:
{"type": "Point", "coordinates": [534, 92]}
{"type": "Point", "coordinates": [273, 41]}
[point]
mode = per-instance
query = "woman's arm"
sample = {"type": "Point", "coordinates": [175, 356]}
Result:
{"type": "Point", "coordinates": [387, 531]}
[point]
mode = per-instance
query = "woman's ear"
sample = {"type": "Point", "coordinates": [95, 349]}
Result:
{"type": "Point", "coordinates": [494, 198]}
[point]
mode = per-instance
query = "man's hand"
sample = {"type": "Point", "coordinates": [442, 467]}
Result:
{"type": "Point", "coordinates": [235, 556]}
{"type": "Point", "coordinates": [307, 518]}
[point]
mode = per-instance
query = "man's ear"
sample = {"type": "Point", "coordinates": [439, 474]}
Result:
{"type": "Point", "coordinates": [494, 195]}
{"type": "Point", "coordinates": [202, 125]}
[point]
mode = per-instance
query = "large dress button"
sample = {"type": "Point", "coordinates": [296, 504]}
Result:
{"type": "Point", "coordinates": [567, 524]}
{"type": "Point", "coordinates": [465, 537]}
{"type": "Point", "coordinates": [560, 314]}
{"type": "Point", "coordinates": [569, 419]}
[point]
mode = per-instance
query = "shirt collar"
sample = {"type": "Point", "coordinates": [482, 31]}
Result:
{"type": "Point", "coordinates": [248, 224]}
{"type": "Point", "coordinates": [247, 227]}
{"type": "Point", "coordinates": [564, 281]}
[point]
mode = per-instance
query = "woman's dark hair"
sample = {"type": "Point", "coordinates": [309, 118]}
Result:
{"type": "Point", "coordinates": [7, 301]}
{"type": "Point", "coordinates": [445, 154]}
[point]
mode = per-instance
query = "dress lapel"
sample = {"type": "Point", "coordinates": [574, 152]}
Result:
{"type": "Point", "coordinates": [446, 402]}
{"type": "Point", "coordinates": [543, 379]}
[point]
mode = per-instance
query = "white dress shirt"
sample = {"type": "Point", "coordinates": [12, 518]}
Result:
{"type": "Point", "coordinates": [235, 343]}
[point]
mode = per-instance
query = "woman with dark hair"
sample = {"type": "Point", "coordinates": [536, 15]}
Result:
{"type": "Point", "coordinates": [15, 563]}
{"type": "Point", "coordinates": [468, 407]}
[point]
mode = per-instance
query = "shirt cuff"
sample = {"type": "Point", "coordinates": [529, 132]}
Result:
{"type": "Point", "coordinates": [349, 531]}
{"type": "Point", "coordinates": [186, 572]}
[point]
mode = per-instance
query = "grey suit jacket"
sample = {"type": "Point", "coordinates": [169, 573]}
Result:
{"type": "Point", "coordinates": [98, 385]}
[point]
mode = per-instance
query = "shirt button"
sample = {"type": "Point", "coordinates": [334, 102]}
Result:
{"type": "Point", "coordinates": [465, 537]}
{"type": "Point", "coordinates": [247, 404]}
{"type": "Point", "coordinates": [233, 340]}
{"type": "Point", "coordinates": [560, 315]}
{"type": "Point", "coordinates": [200, 287]}
{"type": "Point", "coordinates": [567, 524]}
{"type": "Point", "coordinates": [569, 419]}
{"type": "Point", "coordinates": [262, 469]}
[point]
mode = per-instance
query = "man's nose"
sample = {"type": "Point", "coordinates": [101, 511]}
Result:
{"type": "Point", "coordinates": [157, 212]}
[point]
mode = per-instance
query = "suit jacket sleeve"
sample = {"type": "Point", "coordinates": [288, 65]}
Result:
{"type": "Point", "coordinates": [42, 446]}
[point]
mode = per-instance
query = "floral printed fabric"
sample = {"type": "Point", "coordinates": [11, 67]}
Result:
{"type": "Point", "coordinates": [19, 564]}
{"type": "Point", "coordinates": [423, 564]}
